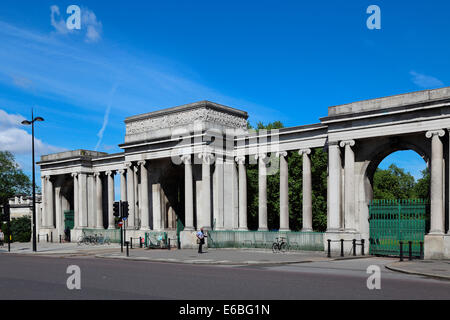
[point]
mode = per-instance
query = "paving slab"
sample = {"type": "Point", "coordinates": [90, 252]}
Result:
{"type": "Point", "coordinates": [431, 268]}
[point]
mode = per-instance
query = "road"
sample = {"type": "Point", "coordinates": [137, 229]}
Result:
{"type": "Point", "coordinates": [37, 277]}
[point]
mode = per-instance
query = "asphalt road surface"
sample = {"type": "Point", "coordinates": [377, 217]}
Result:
{"type": "Point", "coordinates": [34, 277]}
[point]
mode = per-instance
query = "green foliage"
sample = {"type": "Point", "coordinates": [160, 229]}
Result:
{"type": "Point", "coordinates": [319, 197]}
{"type": "Point", "coordinates": [12, 179]}
{"type": "Point", "coordinates": [395, 183]}
{"type": "Point", "coordinates": [20, 229]}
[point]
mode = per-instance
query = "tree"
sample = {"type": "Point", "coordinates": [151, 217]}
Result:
{"type": "Point", "coordinates": [20, 229]}
{"type": "Point", "coordinates": [12, 179]}
{"type": "Point", "coordinates": [395, 183]}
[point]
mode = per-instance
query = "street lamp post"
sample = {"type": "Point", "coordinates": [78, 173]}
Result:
{"type": "Point", "coordinates": [26, 122]}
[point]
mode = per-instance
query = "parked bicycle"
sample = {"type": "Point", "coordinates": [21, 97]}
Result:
{"type": "Point", "coordinates": [93, 239]}
{"type": "Point", "coordinates": [279, 245]}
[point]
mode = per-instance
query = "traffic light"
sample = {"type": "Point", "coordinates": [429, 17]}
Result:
{"type": "Point", "coordinates": [6, 212]}
{"type": "Point", "coordinates": [116, 209]}
{"type": "Point", "coordinates": [125, 209]}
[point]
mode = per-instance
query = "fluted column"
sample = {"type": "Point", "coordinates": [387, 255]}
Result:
{"type": "Point", "coordinates": [99, 201]}
{"type": "Point", "coordinates": [82, 199]}
{"type": "Point", "coordinates": [130, 194]}
{"type": "Point", "coordinates": [349, 185]}
{"type": "Point", "coordinates": [188, 194]}
{"type": "Point", "coordinates": [205, 221]}
{"type": "Point", "coordinates": [123, 185]}
{"type": "Point", "coordinates": [284, 192]}
{"type": "Point", "coordinates": [145, 213]}
{"type": "Point", "coordinates": [76, 209]}
{"type": "Point", "coordinates": [262, 192]}
{"type": "Point", "coordinates": [242, 193]}
{"type": "Point", "coordinates": [137, 204]}
{"type": "Point", "coordinates": [306, 190]}
{"type": "Point", "coordinates": [436, 191]}
{"type": "Point", "coordinates": [334, 188]}
{"type": "Point", "coordinates": [110, 177]}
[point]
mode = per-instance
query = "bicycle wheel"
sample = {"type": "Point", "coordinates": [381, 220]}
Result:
{"type": "Point", "coordinates": [283, 247]}
{"type": "Point", "coordinates": [80, 240]}
{"type": "Point", "coordinates": [275, 247]}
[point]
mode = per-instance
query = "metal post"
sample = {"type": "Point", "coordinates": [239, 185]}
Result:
{"type": "Point", "coordinates": [168, 243]}
{"type": "Point", "coordinates": [421, 250]}
{"type": "Point", "coordinates": [410, 250]}
{"type": "Point", "coordinates": [354, 247]}
{"type": "Point", "coordinates": [128, 252]}
{"type": "Point", "coordinates": [60, 240]}
{"type": "Point", "coordinates": [51, 237]}
{"type": "Point", "coordinates": [329, 248]}
{"type": "Point", "coordinates": [140, 242]}
{"type": "Point", "coordinates": [362, 246]}
{"type": "Point", "coordinates": [401, 250]}
{"type": "Point", "coordinates": [121, 240]}
{"type": "Point", "coordinates": [47, 237]}
{"type": "Point", "coordinates": [38, 238]}
{"type": "Point", "coordinates": [342, 247]}
{"type": "Point", "coordinates": [131, 242]}
{"type": "Point", "coordinates": [9, 240]}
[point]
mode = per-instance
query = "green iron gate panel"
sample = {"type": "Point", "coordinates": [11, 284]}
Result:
{"type": "Point", "coordinates": [392, 221]}
{"type": "Point", "coordinates": [68, 219]}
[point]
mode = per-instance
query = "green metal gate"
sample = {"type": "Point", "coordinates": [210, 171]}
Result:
{"type": "Point", "coordinates": [392, 221]}
{"type": "Point", "coordinates": [68, 219]}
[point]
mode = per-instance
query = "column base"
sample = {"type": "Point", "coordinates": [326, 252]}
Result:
{"type": "Point", "coordinates": [263, 229]}
{"type": "Point", "coordinates": [188, 239]}
{"type": "Point", "coordinates": [188, 229]}
{"type": "Point", "coordinates": [243, 229]}
{"type": "Point", "coordinates": [284, 230]}
{"type": "Point", "coordinates": [437, 246]}
{"type": "Point", "coordinates": [111, 227]}
{"type": "Point", "coordinates": [306, 230]}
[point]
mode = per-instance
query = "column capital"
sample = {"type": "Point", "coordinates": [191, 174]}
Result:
{"type": "Point", "coordinates": [431, 133]}
{"type": "Point", "coordinates": [109, 173]}
{"type": "Point", "coordinates": [74, 174]}
{"type": "Point", "coordinates": [281, 154]}
{"type": "Point", "coordinates": [261, 156]}
{"type": "Point", "coordinates": [128, 165]}
{"type": "Point", "coordinates": [344, 143]}
{"type": "Point", "coordinates": [240, 159]}
{"type": "Point", "coordinates": [121, 171]}
{"type": "Point", "coordinates": [97, 174]}
{"type": "Point", "coordinates": [186, 158]}
{"type": "Point", "coordinates": [141, 162]}
{"type": "Point", "coordinates": [207, 157]}
{"type": "Point", "coordinates": [304, 151]}
{"type": "Point", "coordinates": [46, 177]}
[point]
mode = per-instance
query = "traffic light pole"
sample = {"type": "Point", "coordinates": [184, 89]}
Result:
{"type": "Point", "coordinates": [121, 226]}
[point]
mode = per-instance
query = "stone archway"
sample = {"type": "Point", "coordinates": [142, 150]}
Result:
{"type": "Point", "coordinates": [370, 154]}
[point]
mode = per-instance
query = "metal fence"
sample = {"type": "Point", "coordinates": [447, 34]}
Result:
{"type": "Point", "coordinates": [264, 239]}
{"type": "Point", "coordinates": [112, 234]}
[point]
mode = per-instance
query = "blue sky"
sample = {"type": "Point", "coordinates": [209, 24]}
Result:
{"type": "Point", "coordinates": [278, 60]}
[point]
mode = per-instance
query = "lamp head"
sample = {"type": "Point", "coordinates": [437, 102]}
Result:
{"type": "Point", "coordinates": [26, 122]}
{"type": "Point", "coordinates": [38, 119]}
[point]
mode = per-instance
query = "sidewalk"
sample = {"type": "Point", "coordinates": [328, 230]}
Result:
{"type": "Point", "coordinates": [219, 256]}
{"type": "Point", "coordinates": [58, 249]}
{"type": "Point", "coordinates": [430, 268]}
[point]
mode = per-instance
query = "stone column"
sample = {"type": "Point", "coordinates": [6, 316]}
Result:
{"type": "Point", "coordinates": [130, 195]}
{"type": "Point", "coordinates": [110, 177]}
{"type": "Point", "coordinates": [205, 220]}
{"type": "Point", "coordinates": [99, 201]}
{"type": "Point", "coordinates": [123, 185]}
{"type": "Point", "coordinates": [349, 187]}
{"type": "Point", "coordinates": [58, 210]}
{"type": "Point", "coordinates": [188, 194]}
{"type": "Point", "coordinates": [50, 202]}
{"type": "Point", "coordinates": [436, 192]}
{"type": "Point", "coordinates": [76, 209]}
{"type": "Point", "coordinates": [262, 192]}
{"type": "Point", "coordinates": [82, 199]}
{"type": "Point", "coordinates": [137, 204]}
{"type": "Point", "coordinates": [145, 213]}
{"type": "Point", "coordinates": [242, 193]}
{"type": "Point", "coordinates": [334, 187]}
{"type": "Point", "coordinates": [307, 190]}
{"type": "Point", "coordinates": [284, 192]}
{"type": "Point", "coordinates": [43, 218]}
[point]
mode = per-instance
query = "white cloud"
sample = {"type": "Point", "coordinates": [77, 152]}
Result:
{"type": "Point", "coordinates": [90, 26]}
{"type": "Point", "coordinates": [425, 81]}
{"type": "Point", "coordinates": [14, 138]}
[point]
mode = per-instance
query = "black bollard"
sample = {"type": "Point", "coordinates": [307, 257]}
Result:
{"type": "Point", "coordinates": [60, 239]}
{"type": "Point", "coordinates": [140, 242]}
{"type": "Point", "coordinates": [38, 236]}
{"type": "Point", "coordinates": [401, 250]}
{"type": "Point", "coordinates": [51, 237]}
{"type": "Point", "coordinates": [9, 243]}
{"type": "Point", "coordinates": [329, 248]}
{"type": "Point", "coordinates": [47, 237]}
{"type": "Point", "coordinates": [421, 250]}
{"type": "Point", "coordinates": [131, 243]}
{"type": "Point", "coordinates": [342, 247]}
{"type": "Point", "coordinates": [410, 250]}
{"type": "Point", "coordinates": [168, 243]}
{"type": "Point", "coordinates": [362, 247]}
{"type": "Point", "coordinates": [354, 247]}
{"type": "Point", "coordinates": [128, 252]}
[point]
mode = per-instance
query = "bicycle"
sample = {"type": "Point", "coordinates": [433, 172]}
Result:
{"type": "Point", "coordinates": [279, 245]}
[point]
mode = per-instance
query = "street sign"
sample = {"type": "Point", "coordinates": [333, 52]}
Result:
{"type": "Point", "coordinates": [120, 223]}
{"type": "Point", "coordinates": [124, 218]}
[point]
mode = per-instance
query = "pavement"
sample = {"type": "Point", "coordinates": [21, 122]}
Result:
{"type": "Point", "coordinates": [439, 269]}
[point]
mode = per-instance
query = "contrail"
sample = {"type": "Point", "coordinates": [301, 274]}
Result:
{"type": "Point", "coordinates": [106, 117]}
